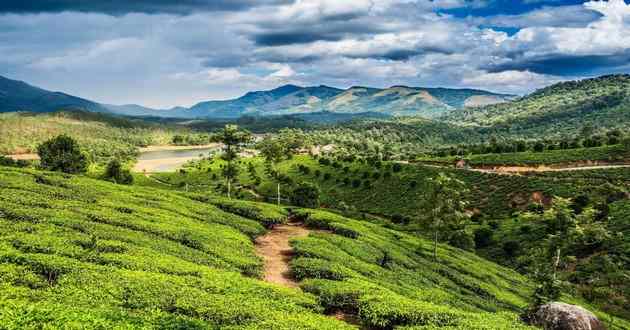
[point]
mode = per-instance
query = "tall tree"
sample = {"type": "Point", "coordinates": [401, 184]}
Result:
{"type": "Point", "coordinates": [448, 206]}
{"type": "Point", "coordinates": [274, 151]}
{"type": "Point", "coordinates": [233, 140]}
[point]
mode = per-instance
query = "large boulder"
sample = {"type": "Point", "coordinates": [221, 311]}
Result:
{"type": "Point", "coordinates": [561, 316]}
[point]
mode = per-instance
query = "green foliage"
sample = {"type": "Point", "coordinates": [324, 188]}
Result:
{"type": "Point", "coordinates": [447, 210]}
{"type": "Point", "coordinates": [116, 173]}
{"type": "Point", "coordinates": [84, 253]}
{"type": "Point", "coordinates": [305, 195]}
{"type": "Point", "coordinates": [101, 136]}
{"type": "Point", "coordinates": [560, 109]}
{"type": "Point", "coordinates": [62, 154]}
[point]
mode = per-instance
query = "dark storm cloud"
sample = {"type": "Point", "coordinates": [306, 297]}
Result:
{"type": "Point", "coordinates": [328, 28]}
{"type": "Point", "coordinates": [292, 37]}
{"type": "Point", "coordinates": [120, 7]}
{"type": "Point", "coordinates": [565, 65]}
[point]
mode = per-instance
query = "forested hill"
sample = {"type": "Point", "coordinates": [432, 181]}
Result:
{"type": "Point", "coordinates": [19, 96]}
{"type": "Point", "coordinates": [599, 102]}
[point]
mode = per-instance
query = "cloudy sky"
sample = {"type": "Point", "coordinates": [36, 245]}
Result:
{"type": "Point", "coordinates": [162, 53]}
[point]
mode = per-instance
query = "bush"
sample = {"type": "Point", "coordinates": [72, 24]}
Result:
{"type": "Point", "coordinates": [115, 173]}
{"type": "Point", "coordinates": [343, 230]}
{"type": "Point", "coordinates": [6, 161]}
{"type": "Point", "coordinates": [511, 248]}
{"type": "Point", "coordinates": [462, 239]}
{"type": "Point", "coordinates": [397, 167]}
{"type": "Point", "coordinates": [63, 154]}
{"type": "Point", "coordinates": [306, 195]}
{"type": "Point", "coordinates": [318, 268]}
{"type": "Point", "coordinates": [483, 237]}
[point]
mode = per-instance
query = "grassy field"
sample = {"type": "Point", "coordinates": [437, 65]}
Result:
{"type": "Point", "coordinates": [83, 253]}
{"type": "Point", "coordinates": [605, 154]}
{"type": "Point", "coordinates": [100, 136]}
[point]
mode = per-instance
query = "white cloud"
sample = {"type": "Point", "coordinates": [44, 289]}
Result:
{"type": "Point", "coordinates": [516, 82]}
{"type": "Point", "coordinates": [165, 60]}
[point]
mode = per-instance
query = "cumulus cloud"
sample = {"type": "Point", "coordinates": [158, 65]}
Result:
{"type": "Point", "coordinates": [604, 43]}
{"type": "Point", "coordinates": [163, 53]}
{"type": "Point", "coordinates": [517, 82]}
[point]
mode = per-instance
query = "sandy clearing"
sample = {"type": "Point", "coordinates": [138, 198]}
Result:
{"type": "Point", "coordinates": [174, 148]}
{"type": "Point", "coordinates": [24, 157]}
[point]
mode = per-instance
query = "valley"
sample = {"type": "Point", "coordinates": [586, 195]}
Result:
{"type": "Point", "coordinates": [319, 220]}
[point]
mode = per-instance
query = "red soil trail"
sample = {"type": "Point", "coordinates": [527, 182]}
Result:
{"type": "Point", "coordinates": [276, 252]}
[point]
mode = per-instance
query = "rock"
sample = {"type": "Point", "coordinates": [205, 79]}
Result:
{"type": "Point", "coordinates": [561, 316]}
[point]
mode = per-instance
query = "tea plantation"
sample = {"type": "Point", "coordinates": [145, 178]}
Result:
{"type": "Point", "coordinates": [81, 253]}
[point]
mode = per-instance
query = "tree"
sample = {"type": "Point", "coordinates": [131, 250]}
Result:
{"type": "Point", "coordinates": [274, 151]}
{"type": "Point", "coordinates": [63, 154]}
{"type": "Point", "coordinates": [446, 202]}
{"type": "Point", "coordinates": [114, 172]}
{"type": "Point", "coordinates": [567, 231]}
{"type": "Point", "coordinates": [305, 195]}
{"type": "Point", "coordinates": [233, 140]}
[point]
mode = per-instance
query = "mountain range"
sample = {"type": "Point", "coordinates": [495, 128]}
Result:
{"type": "Point", "coordinates": [284, 100]}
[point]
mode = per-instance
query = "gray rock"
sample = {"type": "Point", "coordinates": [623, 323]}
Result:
{"type": "Point", "coordinates": [561, 316]}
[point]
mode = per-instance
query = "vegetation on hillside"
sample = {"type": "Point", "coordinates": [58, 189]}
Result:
{"type": "Point", "coordinates": [101, 136]}
{"type": "Point", "coordinates": [557, 110]}
{"type": "Point", "coordinates": [88, 253]}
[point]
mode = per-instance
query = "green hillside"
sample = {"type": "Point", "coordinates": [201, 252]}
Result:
{"type": "Point", "coordinates": [560, 109]}
{"type": "Point", "coordinates": [82, 253]}
{"type": "Point", "coordinates": [102, 136]}
{"type": "Point", "coordinates": [611, 154]}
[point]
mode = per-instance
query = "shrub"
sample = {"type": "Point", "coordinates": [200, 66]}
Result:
{"type": "Point", "coordinates": [511, 248]}
{"type": "Point", "coordinates": [6, 161]}
{"type": "Point", "coordinates": [462, 239]}
{"type": "Point", "coordinates": [115, 173]}
{"type": "Point", "coordinates": [343, 230]}
{"type": "Point", "coordinates": [483, 237]}
{"type": "Point", "coordinates": [305, 195]}
{"type": "Point", "coordinates": [387, 310]}
{"type": "Point", "coordinates": [318, 268]}
{"type": "Point", "coordinates": [63, 154]}
{"type": "Point", "coordinates": [397, 167]}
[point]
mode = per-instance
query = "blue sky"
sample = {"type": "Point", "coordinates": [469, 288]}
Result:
{"type": "Point", "coordinates": [165, 53]}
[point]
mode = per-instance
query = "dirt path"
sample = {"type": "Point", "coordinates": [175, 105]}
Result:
{"type": "Point", "coordinates": [275, 250]}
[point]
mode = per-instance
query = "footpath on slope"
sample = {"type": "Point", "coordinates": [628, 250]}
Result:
{"type": "Point", "coordinates": [276, 252]}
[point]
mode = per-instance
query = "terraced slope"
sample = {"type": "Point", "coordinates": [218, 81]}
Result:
{"type": "Point", "coordinates": [82, 253]}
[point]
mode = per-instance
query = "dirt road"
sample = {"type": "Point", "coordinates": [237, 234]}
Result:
{"type": "Point", "coordinates": [275, 250]}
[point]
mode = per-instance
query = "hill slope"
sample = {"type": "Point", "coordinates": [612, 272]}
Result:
{"type": "Point", "coordinates": [20, 96]}
{"type": "Point", "coordinates": [284, 100]}
{"type": "Point", "coordinates": [565, 107]}
{"type": "Point", "coordinates": [397, 100]}
{"type": "Point", "coordinates": [81, 252]}
{"type": "Point", "coordinates": [101, 135]}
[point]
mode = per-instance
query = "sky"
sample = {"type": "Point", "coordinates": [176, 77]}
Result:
{"type": "Point", "coordinates": [161, 54]}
